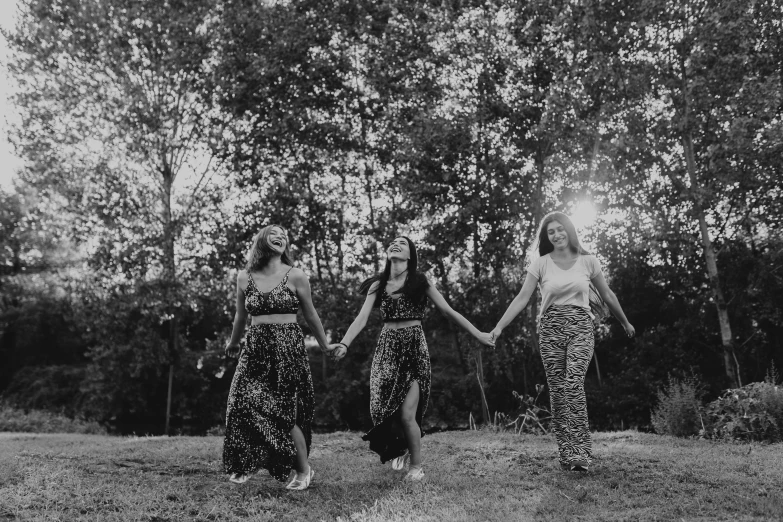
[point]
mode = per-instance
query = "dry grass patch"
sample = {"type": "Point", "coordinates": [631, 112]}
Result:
{"type": "Point", "coordinates": [470, 476]}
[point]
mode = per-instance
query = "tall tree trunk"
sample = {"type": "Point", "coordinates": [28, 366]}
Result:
{"type": "Point", "coordinates": [480, 377]}
{"type": "Point", "coordinates": [730, 363]}
{"type": "Point", "coordinates": [317, 256]}
{"type": "Point", "coordinates": [341, 228]}
{"type": "Point", "coordinates": [597, 369]}
{"type": "Point", "coordinates": [368, 175]}
{"type": "Point", "coordinates": [169, 388]}
{"type": "Point", "coordinates": [476, 251]}
{"type": "Point", "coordinates": [444, 283]}
{"type": "Point", "coordinates": [169, 280]}
{"type": "Point", "coordinates": [538, 214]}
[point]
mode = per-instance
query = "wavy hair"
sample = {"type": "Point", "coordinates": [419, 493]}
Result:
{"type": "Point", "coordinates": [260, 252]}
{"type": "Point", "coordinates": [415, 283]}
{"type": "Point", "coordinates": [597, 305]}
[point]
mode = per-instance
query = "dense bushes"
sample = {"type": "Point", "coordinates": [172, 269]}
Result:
{"type": "Point", "coordinates": [37, 421]}
{"type": "Point", "coordinates": [52, 388]}
{"type": "Point", "coordinates": [753, 412]}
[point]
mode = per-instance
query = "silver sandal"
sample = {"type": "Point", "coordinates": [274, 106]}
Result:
{"type": "Point", "coordinates": [399, 463]}
{"type": "Point", "coordinates": [300, 485]}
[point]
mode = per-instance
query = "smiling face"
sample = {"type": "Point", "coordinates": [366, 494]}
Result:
{"type": "Point", "coordinates": [399, 249]}
{"type": "Point", "coordinates": [557, 235]}
{"type": "Point", "coordinates": [277, 239]}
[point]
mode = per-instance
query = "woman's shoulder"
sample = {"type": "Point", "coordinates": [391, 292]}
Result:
{"type": "Point", "coordinates": [589, 259]}
{"type": "Point", "coordinates": [296, 274]}
{"type": "Point", "coordinates": [590, 263]}
{"type": "Point", "coordinates": [537, 262]}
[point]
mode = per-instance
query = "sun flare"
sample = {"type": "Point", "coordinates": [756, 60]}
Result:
{"type": "Point", "coordinates": [583, 215]}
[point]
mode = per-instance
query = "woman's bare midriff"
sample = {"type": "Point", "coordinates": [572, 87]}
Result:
{"type": "Point", "coordinates": [396, 325]}
{"type": "Point", "coordinates": [272, 319]}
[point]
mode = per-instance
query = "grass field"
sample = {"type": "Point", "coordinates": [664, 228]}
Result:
{"type": "Point", "coordinates": [471, 476]}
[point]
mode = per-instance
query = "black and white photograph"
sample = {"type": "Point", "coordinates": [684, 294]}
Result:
{"type": "Point", "coordinates": [391, 260]}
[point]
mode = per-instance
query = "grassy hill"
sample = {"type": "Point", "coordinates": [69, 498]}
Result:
{"type": "Point", "coordinates": [470, 476]}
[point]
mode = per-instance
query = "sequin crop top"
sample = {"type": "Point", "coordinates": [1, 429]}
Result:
{"type": "Point", "coordinates": [401, 308]}
{"type": "Point", "coordinates": [279, 300]}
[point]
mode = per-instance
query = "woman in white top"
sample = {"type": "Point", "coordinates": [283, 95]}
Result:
{"type": "Point", "coordinates": [565, 272]}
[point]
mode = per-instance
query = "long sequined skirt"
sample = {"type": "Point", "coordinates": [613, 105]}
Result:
{"type": "Point", "coordinates": [401, 357]}
{"type": "Point", "coordinates": [272, 391]}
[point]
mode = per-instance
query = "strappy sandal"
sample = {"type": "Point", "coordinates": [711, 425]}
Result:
{"type": "Point", "coordinates": [399, 463]}
{"type": "Point", "coordinates": [239, 478]}
{"type": "Point", "coordinates": [299, 485]}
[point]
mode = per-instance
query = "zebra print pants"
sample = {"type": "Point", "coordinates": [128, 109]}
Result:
{"type": "Point", "coordinates": [566, 339]}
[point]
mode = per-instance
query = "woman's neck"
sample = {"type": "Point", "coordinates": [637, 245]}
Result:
{"type": "Point", "coordinates": [563, 253]}
{"type": "Point", "coordinates": [272, 266]}
{"type": "Point", "coordinates": [398, 268]}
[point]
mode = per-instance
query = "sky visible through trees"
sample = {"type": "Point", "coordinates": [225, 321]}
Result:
{"type": "Point", "coordinates": [157, 138]}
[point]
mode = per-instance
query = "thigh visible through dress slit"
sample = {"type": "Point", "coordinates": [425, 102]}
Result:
{"type": "Point", "coordinates": [271, 392]}
{"type": "Point", "coordinates": [401, 357]}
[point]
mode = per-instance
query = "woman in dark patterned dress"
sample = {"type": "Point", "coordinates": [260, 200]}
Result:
{"type": "Point", "coordinates": [270, 405]}
{"type": "Point", "coordinates": [400, 376]}
{"type": "Point", "coordinates": [566, 274]}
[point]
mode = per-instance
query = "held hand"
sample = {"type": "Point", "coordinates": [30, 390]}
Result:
{"type": "Point", "coordinates": [232, 350]}
{"type": "Point", "coordinates": [495, 333]}
{"type": "Point", "coordinates": [629, 329]}
{"type": "Point", "coordinates": [337, 351]}
{"type": "Point", "coordinates": [486, 339]}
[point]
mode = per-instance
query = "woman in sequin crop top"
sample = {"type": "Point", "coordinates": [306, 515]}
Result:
{"type": "Point", "coordinates": [271, 402]}
{"type": "Point", "coordinates": [400, 375]}
{"type": "Point", "coordinates": [401, 308]}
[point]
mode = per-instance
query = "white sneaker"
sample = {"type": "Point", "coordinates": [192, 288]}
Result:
{"type": "Point", "coordinates": [415, 475]}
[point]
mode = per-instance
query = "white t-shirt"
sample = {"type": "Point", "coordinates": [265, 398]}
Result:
{"type": "Point", "coordinates": [565, 287]}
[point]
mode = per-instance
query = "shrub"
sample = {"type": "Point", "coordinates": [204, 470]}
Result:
{"type": "Point", "coordinates": [678, 408]}
{"type": "Point", "coordinates": [753, 412]}
{"type": "Point", "coordinates": [36, 421]}
{"type": "Point", "coordinates": [50, 388]}
{"type": "Point", "coordinates": [528, 417]}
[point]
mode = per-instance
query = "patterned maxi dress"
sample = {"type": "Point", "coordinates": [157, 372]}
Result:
{"type": "Point", "coordinates": [272, 389]}
{"type": "Point", "coordinates": [401, 357]}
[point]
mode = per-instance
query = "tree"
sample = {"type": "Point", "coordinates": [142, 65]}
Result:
{"type": "Point", "coordinates": [706, 61]}
{"type": "Point", "coordinates": [114, 111]}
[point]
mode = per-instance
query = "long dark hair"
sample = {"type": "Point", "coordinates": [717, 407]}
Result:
{"type": "Point", "coordinates": [545, 246]}
{"type": "Point", "coordinates": [415, 283]}
{"type": "Point", "coordinates": [260, 252]}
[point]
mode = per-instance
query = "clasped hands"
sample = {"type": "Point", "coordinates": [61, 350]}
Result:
{"type": "Point", "coordinates": [487, 338]}
{"type": "Point", "coordinates": [336, 351]}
